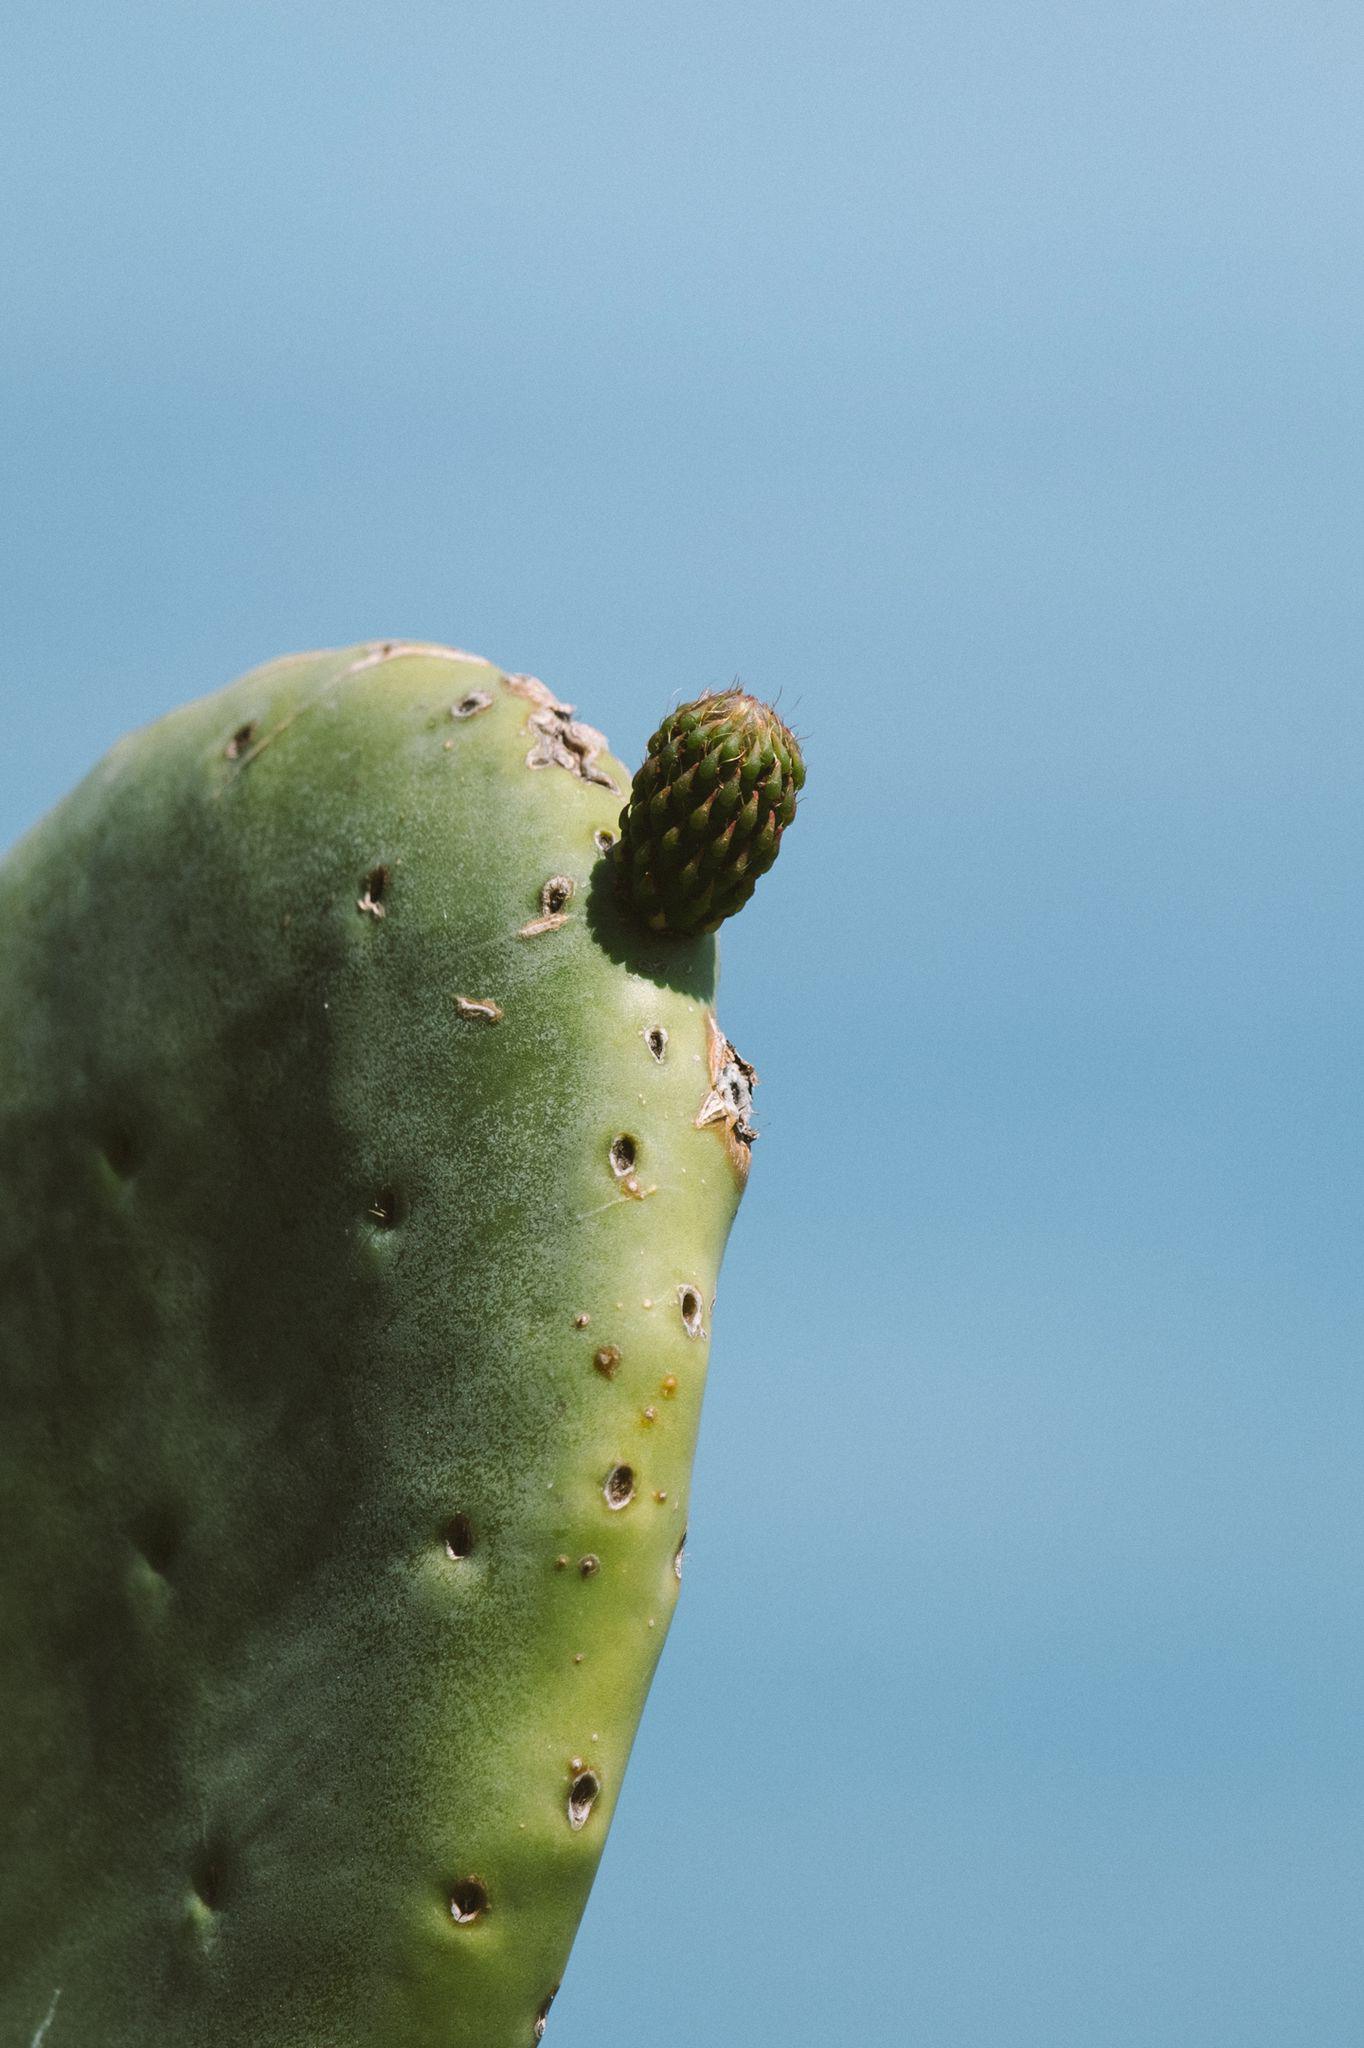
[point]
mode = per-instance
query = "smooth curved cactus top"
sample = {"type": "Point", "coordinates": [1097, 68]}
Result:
{"type": "Point", "coordinates": [706, 813]}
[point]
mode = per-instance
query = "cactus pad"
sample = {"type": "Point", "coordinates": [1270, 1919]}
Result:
{"type": "Point", "coordinates": [366, 1170]}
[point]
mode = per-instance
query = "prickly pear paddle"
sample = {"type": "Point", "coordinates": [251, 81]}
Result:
{"type": "Point", "coordinates": [366, 1165]}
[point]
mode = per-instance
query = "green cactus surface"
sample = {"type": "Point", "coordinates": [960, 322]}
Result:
{"type": "Point", "coordinates": [366, 1171]}
{"type": "Point", "coordinates": [704, 823]}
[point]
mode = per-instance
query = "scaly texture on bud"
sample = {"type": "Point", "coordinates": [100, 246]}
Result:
{"type": "Point", "coordinates": [706, 813]}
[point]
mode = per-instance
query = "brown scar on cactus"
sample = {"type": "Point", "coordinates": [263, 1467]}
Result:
{"type": "Point", "coordinates": [729, 1101]}
{"type": "Point", "coordinates": [560, 741]}
{"type": "Point", "coordinates": [478, 1009]}
{"type": "Point", "coordinates": [554, 898]}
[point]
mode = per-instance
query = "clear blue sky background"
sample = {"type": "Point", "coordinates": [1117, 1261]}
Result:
{"type": "Point", "coordinates": [985, 379]}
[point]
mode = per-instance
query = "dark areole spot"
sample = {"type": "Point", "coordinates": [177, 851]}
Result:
{"type": "Point", "coordinates": [371, 900]}
{"type": "Point", "coordinates": [620, 1486]}
{"type": "Point", "coordinates": [468, 1900]}
{"type": "Point", "coordinates": [624, 1152]}
{"type": "Point", "coordinates": [582, 1794]}
{"type": "Point", "coordinates": [542, 2016]}
{"type": "Point", "coordinates": [459, 1537]}
{"type": "Point", "coordinates": [383, 1210]}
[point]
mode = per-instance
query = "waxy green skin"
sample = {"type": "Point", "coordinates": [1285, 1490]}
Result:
{"type": "Point", "coordinates": [300, 1262]}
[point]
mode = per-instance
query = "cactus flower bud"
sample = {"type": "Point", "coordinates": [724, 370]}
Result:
{"type": "Point", "coordinates": [707, 811]}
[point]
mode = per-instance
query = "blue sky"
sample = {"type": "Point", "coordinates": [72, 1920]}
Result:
{"type": "Point", "coordinates": [986, 381]}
